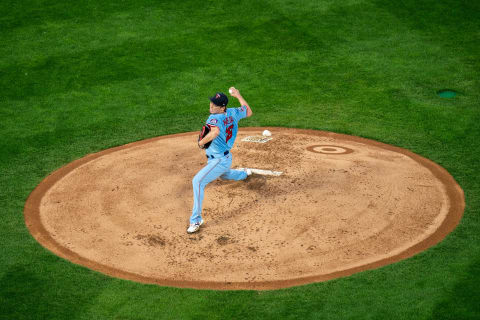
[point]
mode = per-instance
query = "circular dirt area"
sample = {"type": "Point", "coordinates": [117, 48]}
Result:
{"type": "Point", "coordinates": [342, 204]}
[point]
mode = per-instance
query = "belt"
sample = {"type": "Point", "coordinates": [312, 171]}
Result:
{"type": "Point", "coordinates": [212, 157]}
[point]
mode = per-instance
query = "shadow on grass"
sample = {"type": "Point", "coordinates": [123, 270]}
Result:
{"type": "Point", "coordinates": [84, 69]}
{"type": "Point", "coordinates": [464, 300]}
{"type": "Point", "coordinates": [31, 12]}
{"type": "Point", "coordinates": [448, 22]}
{"type": "Point", "coordinates": [28, 294]}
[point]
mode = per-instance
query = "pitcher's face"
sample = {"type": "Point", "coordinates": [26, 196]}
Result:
{"type": "Point", "coordinates": [215, 109]}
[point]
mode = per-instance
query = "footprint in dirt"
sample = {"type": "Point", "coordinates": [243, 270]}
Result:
{"type": "Point", "coordinates": [256, 181]}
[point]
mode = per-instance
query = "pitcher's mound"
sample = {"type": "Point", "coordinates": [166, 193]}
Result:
{"type": "Point", "coordinates": [341, 205]}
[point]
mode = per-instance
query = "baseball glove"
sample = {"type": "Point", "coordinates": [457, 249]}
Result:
{"type": "Point", "coordinates": [205, 130]}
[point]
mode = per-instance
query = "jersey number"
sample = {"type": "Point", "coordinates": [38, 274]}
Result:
{"type": "Point", "coordinates": [229, 133]}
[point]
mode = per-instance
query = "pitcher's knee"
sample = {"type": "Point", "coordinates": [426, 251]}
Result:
{"type": "Point", "coordinates": [196, 181]}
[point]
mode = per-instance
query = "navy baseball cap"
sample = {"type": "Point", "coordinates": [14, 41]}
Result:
{"type": "Point", "coordinates": [219, 99]}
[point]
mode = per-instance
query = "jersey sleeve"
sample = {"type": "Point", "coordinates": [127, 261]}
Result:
{"type": "Point", "coordinates": [240, 112]}
{"type": "Point", "coordinates": [212, 120]}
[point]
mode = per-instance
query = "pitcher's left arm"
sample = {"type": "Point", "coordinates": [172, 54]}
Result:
{"type": "Point", "coordinates": [214, 132]}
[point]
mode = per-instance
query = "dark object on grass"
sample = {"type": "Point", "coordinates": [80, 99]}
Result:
{"type": "Point", "coordinates": [446, 93]}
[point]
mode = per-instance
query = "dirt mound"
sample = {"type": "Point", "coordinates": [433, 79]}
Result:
{"type": "Point", "coordinates": [342, 204]}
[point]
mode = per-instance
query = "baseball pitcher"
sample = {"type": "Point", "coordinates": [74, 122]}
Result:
{"type": "Point", "coordinates": [217, 138]}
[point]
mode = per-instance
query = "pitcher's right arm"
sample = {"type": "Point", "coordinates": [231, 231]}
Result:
{"type": "Point", "coordinates": [235, 93]}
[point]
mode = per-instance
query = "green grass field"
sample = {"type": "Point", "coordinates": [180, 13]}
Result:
{"type": "Point", "coordinates": [78, 77]}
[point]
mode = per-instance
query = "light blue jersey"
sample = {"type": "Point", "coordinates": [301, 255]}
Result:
{"type": "Point", "coordinates": [219, 162]}
{"type": "Point", "coordinates": [228, 124]}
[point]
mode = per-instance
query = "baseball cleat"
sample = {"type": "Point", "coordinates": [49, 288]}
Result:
{"type": "Point", "coordinates": [194, 227]}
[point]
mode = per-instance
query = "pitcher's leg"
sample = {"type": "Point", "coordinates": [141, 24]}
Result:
{"type": "Point", "coordinates": [209, 173]}
{"type": "Point", "coordinates": [232, 174]}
